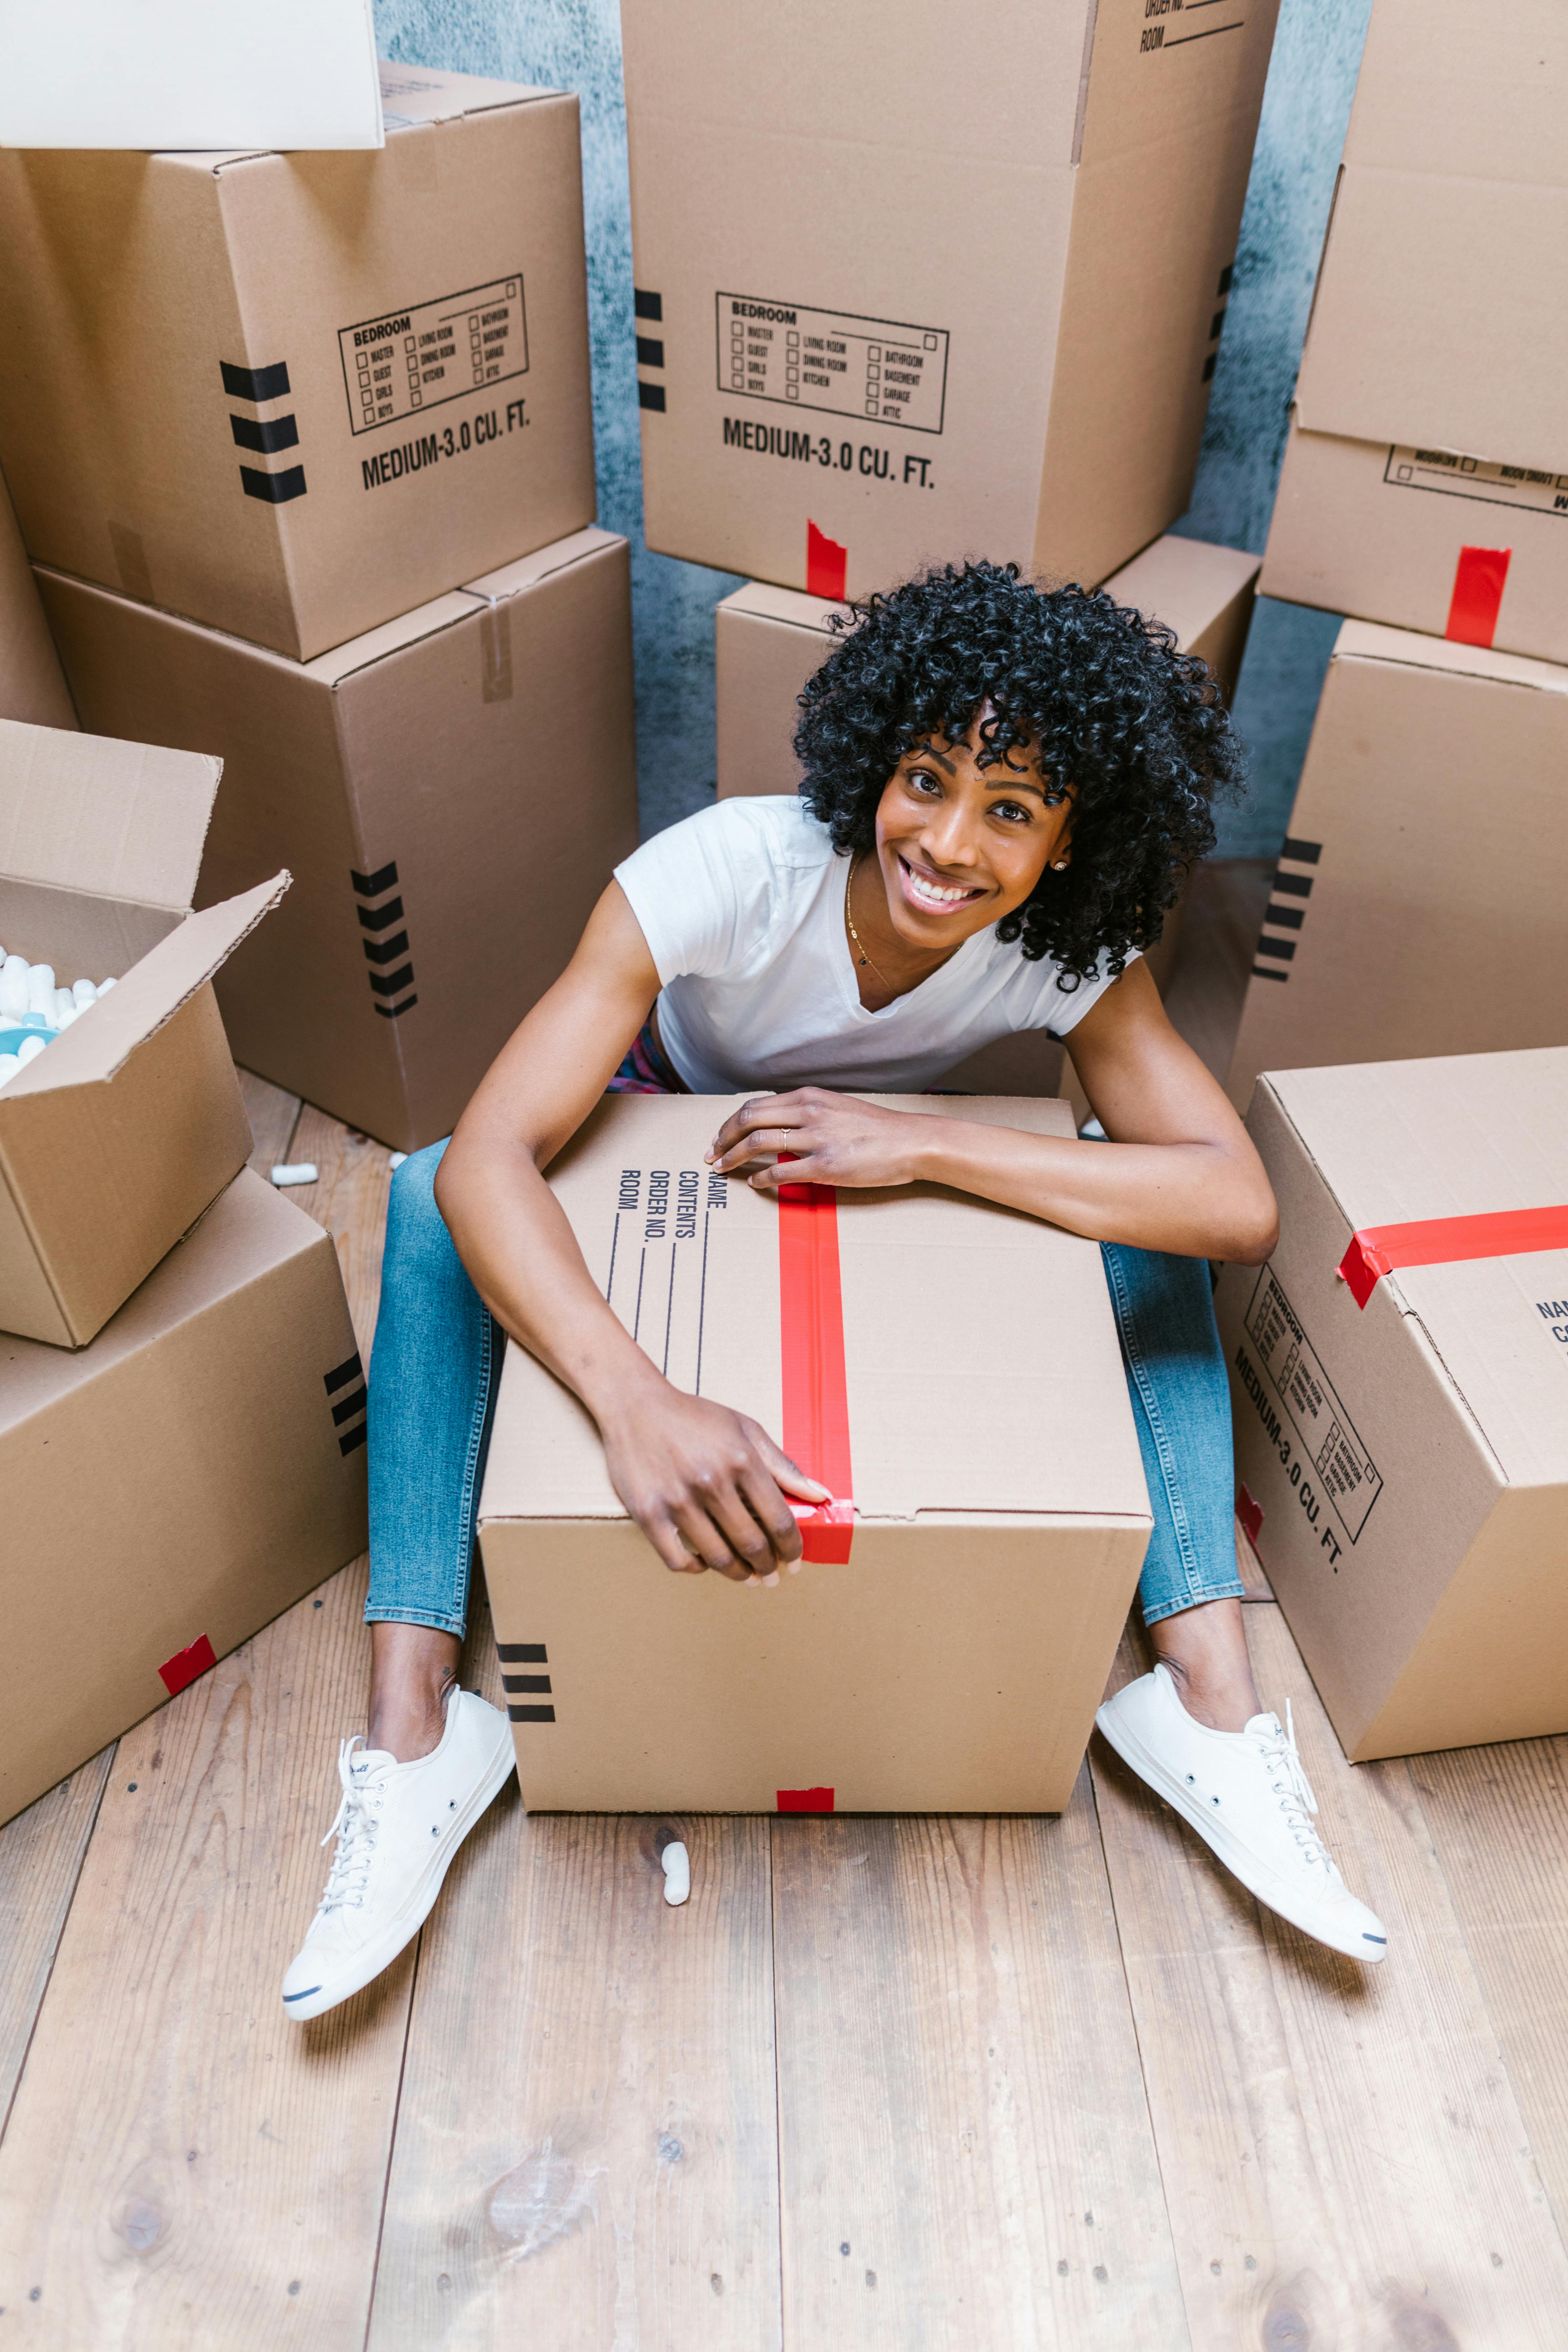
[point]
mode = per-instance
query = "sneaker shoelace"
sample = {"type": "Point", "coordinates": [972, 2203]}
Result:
{"type": "Point", "coordinates": [354, 1828]}
{"type": "Point", "coordinates": [1282, 1757]}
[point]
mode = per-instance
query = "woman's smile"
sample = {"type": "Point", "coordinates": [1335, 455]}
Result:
{"type": "Point", "coordinates": [926, 891]}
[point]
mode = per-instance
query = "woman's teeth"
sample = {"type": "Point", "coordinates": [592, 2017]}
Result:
{"type": "Point", "coordinates": [933, 892]}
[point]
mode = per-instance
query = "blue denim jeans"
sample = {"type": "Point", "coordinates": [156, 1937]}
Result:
{"type": "Point", "coordinates": [435, 1368]}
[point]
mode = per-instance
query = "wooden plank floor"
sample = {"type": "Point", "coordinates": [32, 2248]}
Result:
{"type": "Point", "coordinates": [929, 2085]}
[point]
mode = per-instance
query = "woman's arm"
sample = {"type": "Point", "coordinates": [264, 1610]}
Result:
{"type": "Point", "coordinates": [703, 1482]}
{"type": "Point", "coordinates": [1179, 1172]}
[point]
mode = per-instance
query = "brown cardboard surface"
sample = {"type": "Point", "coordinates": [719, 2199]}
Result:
{"type": "Point", "coordinates": [446, 851]}
{"type": "Point", "coordinates": [1417, 904]}
{"type": "Point", "coordinates": [1377, 529]}
{"type": "Point", "coordinates": [1428, 418]}
{"type": "Point", "coordinates": [955, 1662]}
{"type": "Point", "coordinates": [1053, 310]}
{"type": "Point", "coordinates": [262, 501]}
{"type": "Point", "coordinates": [182, 1475]}
{"type": "Point", "coordinates": [114, 1140]}
{"type": "Point", "coordinates": [1411, 1460]}
{"type": "Point", "coordinates": [32, 684]}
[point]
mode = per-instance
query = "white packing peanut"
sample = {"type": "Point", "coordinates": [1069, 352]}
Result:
{"type": "Point", "coordinates": [64, 1002]}
{"type": "Point", "coordinates": [14, 989]}
{"type": "Point", "coordinates": [30, 1048]}
{"type": "Point", "coordinates": [9, 1065]}
{"type": "Point", "coordinates": [677, 1864]}
{"type": "Point", "coordinates": [66, 1015]}
{"type": "Point", "coordinates": [84, 993]}
{"type": "Point", "coordinates": [105, 985]}
{"type": "Point", "coordinates": [41, 989]}
{"type": "Point", "coordinates": [395, 1160]}
{"type": "Point", "coordinates": [296, 1171]}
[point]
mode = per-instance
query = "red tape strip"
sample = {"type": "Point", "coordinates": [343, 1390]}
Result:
{"type": "Point", "coordinates": [1479, 578]}
{"type": "Point", "coordinates": [1377, 1250]}
{"type": "Point", "coordinates": [186, 1665]}
{"type": "Point", "coordinates": [825, 564]}
{"type": "Point", "coordinates": [811, 1350]}
{"type": "Point", "coordinates": [1249, 1512]}
{"type": "Point", "coordinates": [806, 1800]}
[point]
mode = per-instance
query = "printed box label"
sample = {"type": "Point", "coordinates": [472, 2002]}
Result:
{"type": "Point", "coordinates": [829, 360]}
{"type": "Point", "coordinates": [1285, 1355]}
{"type": "Point", "coordinates": [397, 366]}
{"type": "Point", "coordinates": [1477, 477]}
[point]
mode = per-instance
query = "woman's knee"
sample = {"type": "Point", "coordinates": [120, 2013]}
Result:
{"type": "Point", "coordinates": [415, 1225]}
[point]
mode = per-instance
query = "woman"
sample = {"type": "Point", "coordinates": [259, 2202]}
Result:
{"type": "Point", "coordinates": [1002, 789]}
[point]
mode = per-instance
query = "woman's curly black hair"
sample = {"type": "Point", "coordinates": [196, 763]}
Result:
{"type": "Point", "coordinates": [1136, 731]}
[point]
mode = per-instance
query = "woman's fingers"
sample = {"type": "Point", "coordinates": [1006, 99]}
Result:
{"type": "Point", "coordinates": [765, 1110]}
{"type": "Point", "coordinates": [787, 1473]}
{"type": "Point", "coordinates": [804, 1168]}
{"type": "Point", "coordinates": [764, 1138]}
{"type": "Point", "coordinates": [707, 1542]}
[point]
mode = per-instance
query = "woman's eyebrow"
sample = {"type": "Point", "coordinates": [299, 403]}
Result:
{"type": "Point", "coordinates": [930, 752]}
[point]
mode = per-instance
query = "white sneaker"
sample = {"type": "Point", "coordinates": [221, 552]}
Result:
{"type": "Point", "coordinates": [397, 1829]}
{"type": "Point", "coordinates": [1245, 1794]}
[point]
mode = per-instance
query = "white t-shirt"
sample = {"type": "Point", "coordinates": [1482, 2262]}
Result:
{"type": "Point", "coordinates": [743, 910]}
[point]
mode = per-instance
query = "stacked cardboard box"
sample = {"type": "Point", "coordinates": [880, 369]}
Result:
{"type": "Point", "coordinates": [313, 491]}
{"type": "Point", "coordinates": [1398, 1371]}
{"type": "Point", "coordinates": [1416, 905]}
{"type": "Point", "coordinates": [180, 1410]}
{"type": "Point", "coordinates": [855, 358]}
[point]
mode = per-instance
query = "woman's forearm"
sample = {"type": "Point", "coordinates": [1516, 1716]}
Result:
{"type": "Point", "coordinates": [524, 1261]}
{"type": "Point", "coordinates": [1192, 1199]}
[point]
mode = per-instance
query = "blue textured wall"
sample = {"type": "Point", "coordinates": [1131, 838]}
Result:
{"type": "Point", "coordinates": [575, 45]}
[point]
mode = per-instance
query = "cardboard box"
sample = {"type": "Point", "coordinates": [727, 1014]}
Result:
{"type": "Point", "coordinates": [851, 362]}
{"type": "Point", "coordinates": [1426, 480]}
{"type": "Point", "coordinates": [180, 73]}
{"type": "Point", "coordinates": [947, 1643]}
{"type": "Point", "coordinates": [114, 1139]}
{"type": "Point", "coordinates": [32, 685]}
{"type": "Point", "coordinates": [450, 790]}
{"type": "Point", "coordinates": [246, 387]}
{"type": "Point", "coordinates": [168, 1490]}
{"type": "Point", "coordinates": [1417, 904]}
{"type": "Point", "coordinates": [1402, 1436]}
{"type": "Point", "coordinates": [768, 641]}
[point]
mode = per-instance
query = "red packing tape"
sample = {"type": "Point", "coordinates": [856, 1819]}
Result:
{"type": "Point", "coordinates": [1479, 578]}
{"type": "Point", "coordinates": [811, 1351]}
{"type": "Point", "coordinates": [826, 564]}
{"type": "Point", "coordinates": [186, 1665]}
{"type": "Point", "coordinates": [1444, 1241]}
{"type": "Point", "coordinates": [806, 1800]}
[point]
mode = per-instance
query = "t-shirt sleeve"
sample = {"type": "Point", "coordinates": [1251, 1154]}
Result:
{"type": "Point", "coordinates": [1060, 1007]}
{"type": "Point", "coordinates": [700, 890]}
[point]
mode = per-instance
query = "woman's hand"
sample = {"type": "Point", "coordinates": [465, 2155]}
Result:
{"type": "Point", "coordinates": [704, 1484]}
{"type": "Point", "coordinates": [830, 1139]}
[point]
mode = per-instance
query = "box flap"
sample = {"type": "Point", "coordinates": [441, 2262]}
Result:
{"type": "Point", "coordinates": [1454, 1137]}
{"type": "Point", "coordinates": [152, 992]}
{"type": "Point", "coordinates": [1371, 641]}
{"type": "Point", "coordinates": [760, 603]}
{"type": "Point", "coordinates": [1019, 1406]}
{"type": "Point", "coordinates": [411, 94]}
{"type": "Point", "coordinates": [530, 570]}
{"type": "Point", "coordinates": [1480, 93]}
{"type": "Point", "coordinates": [1185, 582]}
{"type": "Point", "coordinates": [121, 821]}
{"type": "Point", "coordinates": [390, 637]}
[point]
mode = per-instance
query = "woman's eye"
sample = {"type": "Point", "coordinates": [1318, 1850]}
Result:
{"type": "Point", "coordinates": [921, 783]}
{"type": "Point", "coordinates": [1010, 810]}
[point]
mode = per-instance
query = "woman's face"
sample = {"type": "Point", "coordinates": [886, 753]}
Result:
{"type": "Point", "coordinates": [960, 846]}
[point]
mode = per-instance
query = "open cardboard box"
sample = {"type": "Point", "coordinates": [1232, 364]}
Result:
{"type": "Point", "coordinates": [167, 1490]}
{"type": "Point", "coordinates": [292, 395]}
{"type": "Point", "coordinates": [1399, 1373]}
{"type": "Point", "coordinates": [852, 361]}
{"type": "Point", "coordinates": [412, 780]}
{"type": "Point", "coordinates": [32, 684]}
{"type": "Point", "coordinates": [1417, 904]}
{"type": "Point", "coordinates": [946, 1644]}
{"type": "Point", "coordinates": [114, 1139]}
{"type": "Point", "coordinates": [1426, 476]}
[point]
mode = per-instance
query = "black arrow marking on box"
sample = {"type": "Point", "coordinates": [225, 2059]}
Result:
{"type": "Point", "coordinates": [277, 490]}
{"type": "Point", "coordinates": [354, 1402]}
{"type": "Point", "coordinates": [390, 985]}
{"type": "Point", "coordinates": [377, 918]}
{"type": "Point", "coordinates": [525, 1683]}
{"type": "Point", "coordinates": [352, 1369]}
{"type": "Point", "coordinates": [650, 351]}
{"type": "Point", "coordinates": [395, 1012]}
{"type": "Point", "coordinates": [371, 886]}
{"type": "Point", "coordinates": [522, 1653]}
{"type": "Point", "coordinates": [256, 384]}
{"type": "Point", "coordinates": [646, 305]}
{"type": "Point", "coordinates": [384, 951]}
{"type": "Point", "coordinates": [265, 434]}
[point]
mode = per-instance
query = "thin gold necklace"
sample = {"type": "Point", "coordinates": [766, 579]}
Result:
{"type": "Point", "coordinates": [849, 919]}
